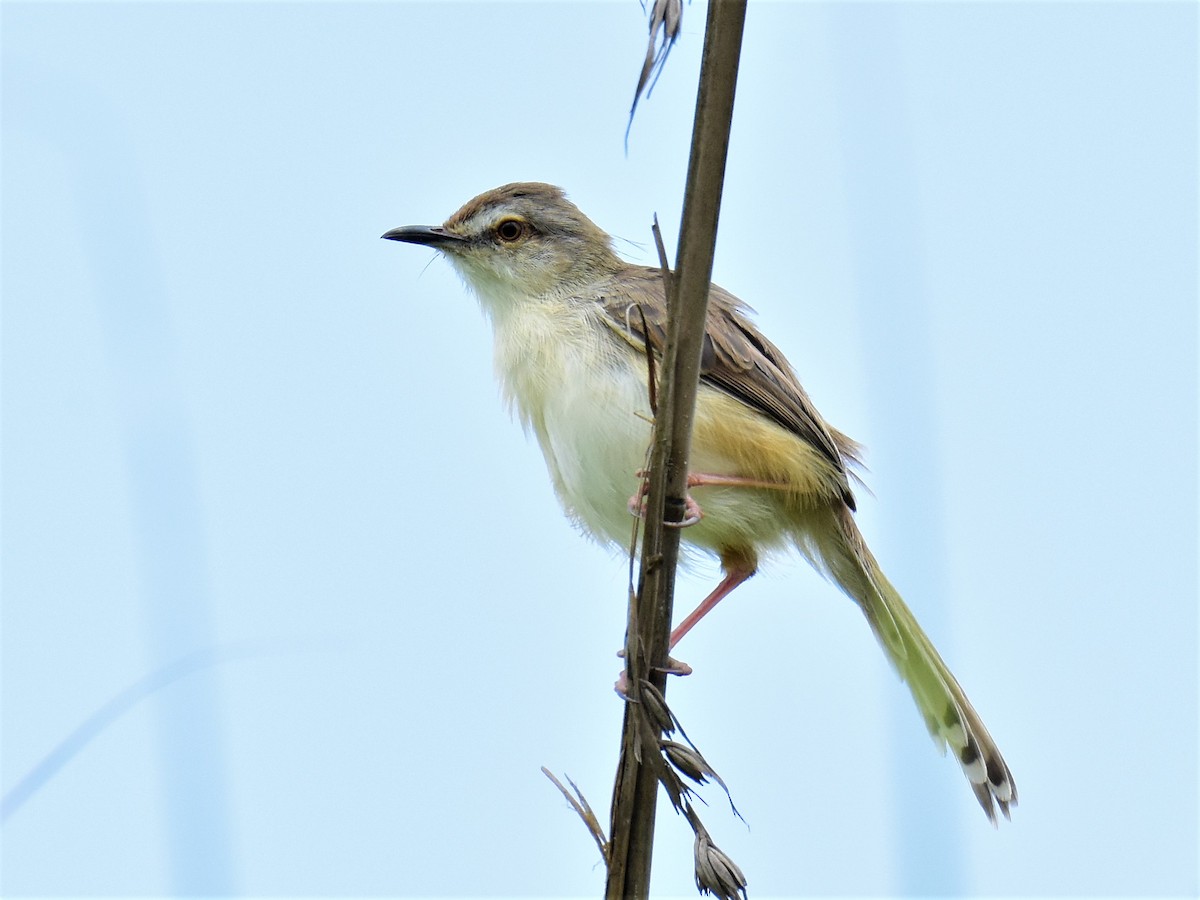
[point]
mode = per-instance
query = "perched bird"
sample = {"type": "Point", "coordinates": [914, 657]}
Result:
{"type": "Point", "coordinates": [571, 322]}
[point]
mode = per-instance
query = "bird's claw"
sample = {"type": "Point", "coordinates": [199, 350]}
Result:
{"type": "Point", "coordinates": [692, 513]}
{"type": "Point", "coordinates": [672, 667]}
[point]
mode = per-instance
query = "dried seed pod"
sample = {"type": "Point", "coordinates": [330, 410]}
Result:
{"type": "Point", "coordinates": [716, 873]}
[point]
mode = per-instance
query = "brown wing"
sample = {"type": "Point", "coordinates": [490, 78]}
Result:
{"type": "Point", "coordinates": [736, 359]}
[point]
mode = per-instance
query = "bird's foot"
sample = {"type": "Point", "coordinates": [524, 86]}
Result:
{"type": "Point", "coordinates": [673, 667]}
{"type": "Point", "coordinates": [692, 513]}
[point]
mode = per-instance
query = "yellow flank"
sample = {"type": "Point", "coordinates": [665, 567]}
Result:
{"type": "Point", "coordinates": [755, 447]}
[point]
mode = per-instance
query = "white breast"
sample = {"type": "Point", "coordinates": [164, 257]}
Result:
{"type": "Point", "coordinates": [582, 392]}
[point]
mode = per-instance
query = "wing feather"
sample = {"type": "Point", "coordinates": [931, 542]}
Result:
{"type": "Point", "coordinates": [736, 358]}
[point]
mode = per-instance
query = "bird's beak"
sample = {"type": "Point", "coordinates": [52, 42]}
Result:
{"type": "Point", "coordinates": [429, 235]}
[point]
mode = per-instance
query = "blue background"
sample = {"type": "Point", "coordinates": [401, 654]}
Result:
{"type": "Point", "coordinates": [288, 605]}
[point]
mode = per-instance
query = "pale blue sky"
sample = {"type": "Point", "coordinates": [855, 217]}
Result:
{"type": "Point", "coordinates": [255, 453]}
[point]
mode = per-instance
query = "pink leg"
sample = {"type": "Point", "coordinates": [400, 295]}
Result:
{"type": "Point", "coordinates": [733, 577]}
{"type": "Point", "coordinates": [738, 566]}
{"type": "Point", "coordinates": [700, 479]}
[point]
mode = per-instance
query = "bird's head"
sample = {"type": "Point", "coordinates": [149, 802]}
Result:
{"type": "Point", "coordinates": [519, 241]}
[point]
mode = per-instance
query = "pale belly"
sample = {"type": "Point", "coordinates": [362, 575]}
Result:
{"type": "Point", "coordinates": [593, 424]}
{"type": "Point", "coordinates": [594, 429]}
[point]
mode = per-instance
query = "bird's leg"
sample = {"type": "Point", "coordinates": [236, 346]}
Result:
{"type": "Point", "coordinates": [738, 566]}
{"type": "Point", "coordinates": [701, 479]}
{"type": "Point", "coordinates": [734, 575]}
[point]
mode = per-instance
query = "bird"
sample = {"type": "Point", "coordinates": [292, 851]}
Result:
{"type": "Point", "coordinates": [572, 323]}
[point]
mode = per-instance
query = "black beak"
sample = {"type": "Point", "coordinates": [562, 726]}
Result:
{"type": "Point", "coordinates": [429, 235]}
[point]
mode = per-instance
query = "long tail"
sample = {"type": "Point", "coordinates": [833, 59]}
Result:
{"type": "Point", "coordinates": [835, 546]}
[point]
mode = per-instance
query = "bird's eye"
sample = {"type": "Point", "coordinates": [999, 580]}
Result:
{"type": "Point", "coordinates": [510, 230]}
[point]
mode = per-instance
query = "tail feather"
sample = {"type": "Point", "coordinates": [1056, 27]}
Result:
{"type": "Point", "coordinates": [836, 547]}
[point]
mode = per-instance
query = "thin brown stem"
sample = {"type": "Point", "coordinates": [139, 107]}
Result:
{"type": "Point", "coordinates": [635, 790]}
